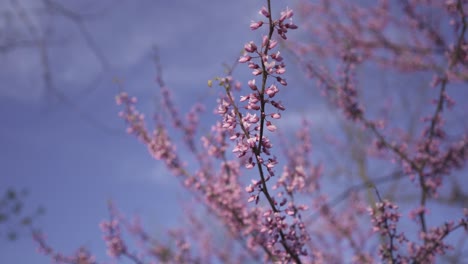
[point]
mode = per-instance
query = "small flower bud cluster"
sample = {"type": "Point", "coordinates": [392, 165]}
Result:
{"type": "Point", "coordinates": [82, 255]}
{"type": "Point", "coordinates": [134, 119]}
{"type": "Point", "coordinates": [115, 245]}
{"type": "Point", "coordinates": [384, 219]}
{"type": "Point", "coordinates": [251, 141]}
{"type": "Point", "coordinates": [281, 26]}
{"type": "Point", "coordinates": [159, 144]}
{"type": "Point", "coordinates": [161, 148]}
{"type": "Point", "coordinates": [433, 243]}
{"type": "Point", "coordinates": [285, 239]}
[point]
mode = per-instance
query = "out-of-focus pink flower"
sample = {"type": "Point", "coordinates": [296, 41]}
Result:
{"type": "Point", "coordinates": [255, 25]}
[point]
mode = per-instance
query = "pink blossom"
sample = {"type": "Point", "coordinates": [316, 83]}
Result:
{"type": "Point", "coordinates": [264, 11]}
{"type": "Point", "coordinates": [250, 47]}
{"type": "Point", "coordinates": [288, 13]}
{"type": "Point", "coordinates": [252, 85]}
{"type": "Point", "coordinates": [278, 105]}
{"type": "Point", "coordinates": [255, 25]}
{"type": "Point", "coordinates": [270, 126]}
{"type": "Point", "coordinates": [272, 44]}
{"type": "Point", "coordinates": [245, 58]}
{"type": "Point", "coordinates": [277, 57]}
{"type": "Point", "coordinates": [257, 72]}
{"type": "Point", "coordinates": [282, 81]}
{"type": "Point", "coordinates": [276, 115]}
{"type": "Point", "coordinates": [271, 91]}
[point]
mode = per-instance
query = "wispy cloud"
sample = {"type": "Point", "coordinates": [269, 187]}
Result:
{"type": "Point", "coordinates": [191, 37]}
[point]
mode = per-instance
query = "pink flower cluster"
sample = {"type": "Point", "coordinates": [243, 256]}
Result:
{"type": "Point", "coordinates": [235, 177]}
{"type": "Point", "coordinates": [248, 129]}
{"type": "Point", "coordinates": [250, 140]}
{"type": "Point", "coordinates": [115, 245]}
{"type": "Point", "coordinates": [385, 218]}
{"type": "Point", "coordinates": [159, 144]}
{"type": "Point", "coordinates": [81, 256]}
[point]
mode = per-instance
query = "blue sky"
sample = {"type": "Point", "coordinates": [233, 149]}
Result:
{"type": "Point", "coordinates": [74, 156]}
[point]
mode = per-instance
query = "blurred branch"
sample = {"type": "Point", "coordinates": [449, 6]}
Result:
{"type": "Point", "coordinates": [13, 217]}
{"type": "Point", "coordinates": [356, 188]}
{"type": "Point", "coordinates": [39, 39]}
{"type": "Point", "coordinates": [79, 21]}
